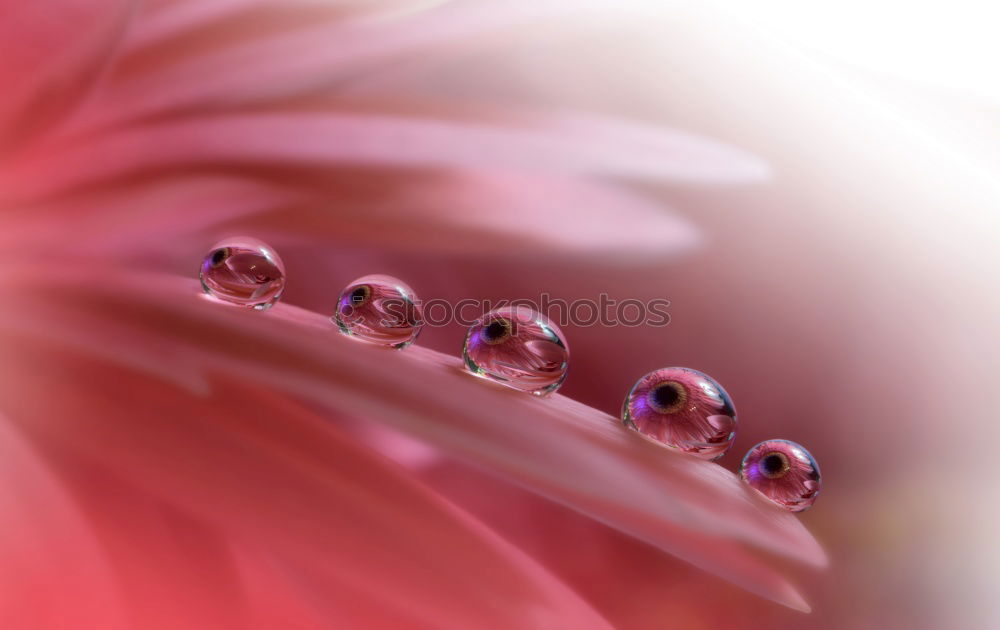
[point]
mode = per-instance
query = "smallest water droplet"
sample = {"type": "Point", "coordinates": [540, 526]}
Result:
{"type": "Point", "coordinates": [784, 472]}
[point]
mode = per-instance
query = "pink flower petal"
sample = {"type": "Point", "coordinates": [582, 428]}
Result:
{"type": "Point", "coordinates": [506, 215]}
{"type": "Point", "coordinates": [48, 545]}
{"type": "Point", "coordinates": [591, 146]}
{"type": "Point", "coordinates": [275, 53]}
{"type": "Point", "coordinates": [557, 538]}
{"type": "Point", "coordinates": [164, 20]}
{"type": "Point", "coordinates": [50, 53]}
{"type": "Point", "coordinates": [557, 448]}
{"type": "Point", "coordinates": [487, 214]}
{"type": "Point", "coordinates": [133, 219]}
{"type": "Point", "coordinates": [173, 478]}
{"type": "Point", "coordinates": [499, 214]}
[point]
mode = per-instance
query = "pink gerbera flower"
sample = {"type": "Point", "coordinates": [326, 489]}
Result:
{"type": "Point", "coordinates": [168, 461]}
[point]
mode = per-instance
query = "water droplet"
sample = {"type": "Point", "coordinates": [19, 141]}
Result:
{"type": "Point", "coordinates": [380, 309]}
{"type": "Point", "coordinates": [519, 347]}
{"type": "Point", "coordinates": [684, 409]}
{"type": "Point", "coordinates": [243, 271]}
{"type": "Point", "coordinates": [784, 472]}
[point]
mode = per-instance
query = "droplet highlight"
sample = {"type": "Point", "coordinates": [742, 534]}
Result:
{"type": "Point", "coordinates": [379, 309]}
{"type": "Point", "coordinates": [243, 271]}
{"type": "Point", "coordinates": [519, 347]}
{"type": "Point", "coordinates": [683, 409]}
{"type": "Point", "coordinates": [784, 472]}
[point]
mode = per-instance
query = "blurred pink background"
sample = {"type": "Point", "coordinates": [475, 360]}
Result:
{"type": "Point", "coordinates": [814, 192]}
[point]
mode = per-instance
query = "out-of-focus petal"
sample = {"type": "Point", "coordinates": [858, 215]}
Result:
{"type": "Point", "coordinates": [502, 215]}
{"type": "Point", "coordinates": [132, 218]}
{"type": "Point", "coordinates": [50, 53]}
{"type": "Point", "coordinates": [47, 545]}
{"type": "Point", "coordinates": [284, 49]}
{"type": "Point", "coordinates": [629, 582]}
{"type": "Point", "coordinates": [165, 19]}
{"type": "Point", "coordinates": [587, 146]}
{"type": "Point", "coordinates": [175, 477]}
{"type": "Point", "coordinates": [463, 212]}
{"type": "Point", "coordinates": [560, 449]}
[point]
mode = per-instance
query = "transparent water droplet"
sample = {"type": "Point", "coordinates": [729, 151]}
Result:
{"type": "Point", "coordinates": [243, 271]}
{"type": "Point", "coordinates": [784, 472]}
{"type": "Point", "coordinates": [684, 409]}
{"type": "Point", "coordinates": [379, 309]}
{"type": "Point", "coordinates": [519, 347]}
